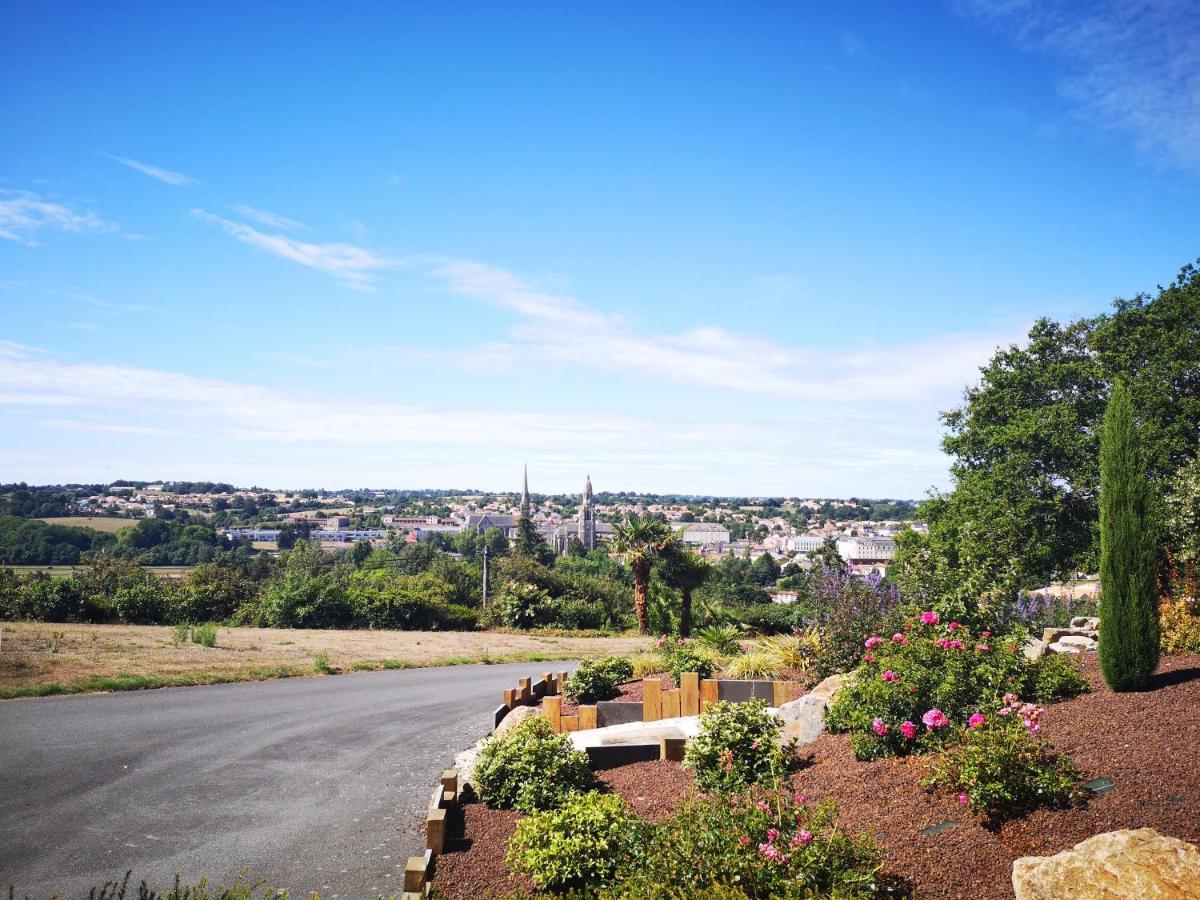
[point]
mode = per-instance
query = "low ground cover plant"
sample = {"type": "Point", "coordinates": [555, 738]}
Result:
{"type": "Point", "coordinates": [763, 844]}
{"type": "Point", "coordinates": [531, 768]}
{"type": "Point", "coordinates": [597, 679]}
{"type": "Point", "coordinates": [590, 840]}
{"type": "Point", "coordinates": [912, 688]}
{"type": "Point", "coordinates": [998, 767]}
{"type": "Point", "coordinates": [737, 746]}
{"type": "Point", "coordinates": [683, 656]}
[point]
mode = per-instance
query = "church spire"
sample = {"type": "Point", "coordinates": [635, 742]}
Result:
{"type": "Point", "coordinates": [525, 493]}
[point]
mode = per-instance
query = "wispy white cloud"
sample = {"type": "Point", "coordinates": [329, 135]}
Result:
{"type": "Point", "coordinates": [349, 264]}
{"type": "Point", "coordinates": [270, 219]}
{"type": "Point", "coordinates": [91, 300]}
{"type": "Point", "coordinates": [554, 326]}
{"type": "Point", "coordinates": [203, 416]}
{"type": "Point", "coordinates": [164, 175]}
{"type": "Point", "coordinates": [1134, 67]}
{"type": "Point", "coordinates": [23, 215]}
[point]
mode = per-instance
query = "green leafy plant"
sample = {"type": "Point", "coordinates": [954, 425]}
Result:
{"type": "Point", "coordinates": [757, 664]}
{"type": "Point", "coordinates": [685, 658]}
{"type": "Point", "coordinates": [584, 843]}
{"type": "Point", "coordinates": [1053, 677]}
{"type": "Point", "coordinates": [721, 638]}
{"type": "Point", "coordinates": [764, 844]}
{"type": "Point", "coordinates": [737, 745]}
{"type": "Point", "coordinates": [531, 768]}
{"type": "Point", "coordinates": [912, 688]}
{"type": "Point", "coordinates": [205, 634]}
{"type": "Point", "coordinates": [797, 652]}
{"type": "Point", "coordinates": [597, 679]}
{"type": "Point", "coordinates": [650, 662]}
{"type": "Point", "coordinates": [321, 664]}
{"type": "Point", "coordinates": [1129, 639]}
{"type": "Point", "coordinates": [179, 634]}
{"type": "Point", "coordinates": [1000, 769]}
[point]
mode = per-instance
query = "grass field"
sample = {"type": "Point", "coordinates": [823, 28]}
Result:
{"type": "Point", "coordinates": [111, 524]}
{"type": "Point", "coordinates": [39, 659]}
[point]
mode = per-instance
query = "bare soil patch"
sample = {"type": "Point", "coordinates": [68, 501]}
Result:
{"type": "Point", "coordinates": [33, 654]}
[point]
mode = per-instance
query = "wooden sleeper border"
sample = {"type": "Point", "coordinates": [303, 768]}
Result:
{"type": "Point", "coordinates": [418, 873]}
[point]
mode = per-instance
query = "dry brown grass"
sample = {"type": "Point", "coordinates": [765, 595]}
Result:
{"type": "Point", "coordinates": [34, 655]}
{"type": "Point", "coordinates": [111, 524]}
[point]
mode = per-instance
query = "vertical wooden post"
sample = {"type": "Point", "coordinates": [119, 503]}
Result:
{"type": "Point", "coordinates": [709, 693]}
{"type": "Point", "coordinates": [587, 717]}
{"type": "Point", "coordinates": [651, 699]}
{"type": "Point", "coordinates": [784, 692]}
{"type": "Point", "coordinates": [671, 748]}
{"type": "Point", "coordinates": [568, 723]}
{"type": "Point", "coordinates": [435, 830]}
{"type": "Point", "coordinates": [524, 685]}
{"type": "Point", "coordinates": [689, 696]}
{"type": "Point", "coordinates": [559, 678]}
{"type": "Point", "coordinates": [549, 679]}
{"type": "Point", "coordinates": [552, 710]}
{"type": "Point", "coordinates": [670, 704]}
{"type": "Point", "coordinates": [450, 787]}
{"type": "Point", "coordinates": [510, 698]}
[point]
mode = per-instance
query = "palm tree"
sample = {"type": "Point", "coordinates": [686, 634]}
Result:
{"type": "Point", "coordinates": [640, 541]}
{"type": "Point", "coordinates": [685, 571]}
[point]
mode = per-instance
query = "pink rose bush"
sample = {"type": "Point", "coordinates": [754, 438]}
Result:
{"type": "Point", "coordinates": [942, 676]}
{"type": "Point", "coordinates": [778, 843]}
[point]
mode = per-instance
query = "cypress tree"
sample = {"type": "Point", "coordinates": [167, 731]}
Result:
{"type": "Point", "coordinates": [1128, 553]}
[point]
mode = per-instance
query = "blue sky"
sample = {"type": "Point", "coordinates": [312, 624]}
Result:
{"type": "Point", "coordinates": [708, 248]}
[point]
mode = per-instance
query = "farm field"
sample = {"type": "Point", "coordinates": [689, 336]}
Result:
{"type": "Point", "coordinates": [111, 524]}
{"type": "Point", "coordinates": [37, 658]}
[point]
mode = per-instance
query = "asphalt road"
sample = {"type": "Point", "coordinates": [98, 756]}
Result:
{"type": "Point", "coordinates": [313, 784]}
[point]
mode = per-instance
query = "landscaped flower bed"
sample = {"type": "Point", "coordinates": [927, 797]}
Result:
{"type": "Point", "coordinates": [1143, 742]}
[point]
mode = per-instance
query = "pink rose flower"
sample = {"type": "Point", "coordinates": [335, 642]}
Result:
{"type": "Point", "coordinates": [879, 727]}
{"type": "Point", "coordinates": [987, 634]}
{"type": "Point", "coordinates": [929, 617]}
{"type": "Point", "coordinates": [772, 833]}
{"type": "Point", "coordinates": [909, 730]}
{"type": "Point", "coordinates": [955, 645]}
{"type": "Point", "coordinates": [867, 657]}
{"type": "Point", "coordinates": [952, 626]}
{"type": "Point", "coordinates": [800, 798]}
{"type": "Point", "coordinates": [763, 805]}
{"type": "Point", "coordinates": [802, 838]}
{"type": "Point", "coordinates": [872, 642]}
{"type": "Point", "coordinates": [976, 720]}
{"type": "Point", "coordinates": [889, 675]}
{"type": "Point", "coordinates": [964, 799]}
{"type": "Point", "coordinates": [773, 853]}
{"type": "Point", "coordinates": [982, 648]}
{"type": "Point", "coordinates": [743, 841]}
{"type": "Point", "coordinates": [898, 638]}
{"type": "Point", "coordinates": [934, 719]}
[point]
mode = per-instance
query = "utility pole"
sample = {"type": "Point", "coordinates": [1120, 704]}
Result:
{"type": "Point", "coordinates": [485, 558]}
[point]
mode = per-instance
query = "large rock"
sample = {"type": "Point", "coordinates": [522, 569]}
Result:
{"type": "Point", "coordinates": [685, 727]}
{"type": "Point", "coordinates": [1035, 649]}
{"type": "Point", "coordinates": [1086, 623]}
{"type": "Point", "coordinates": [804, 719]}
{"type": "Point", "coordinates": [1139, 863]}
{"type": "Point", "coordinates": [515, 717]}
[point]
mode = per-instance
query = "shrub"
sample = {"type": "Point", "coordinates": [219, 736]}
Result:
{"type": "Point", "coordinates": [936, 670]}
{"type": "Point", "coordinates": [1129, 636]}
{"type": "Point", "coordinates": [180, 633]}
{"type": "Point", "coordinates": [1000, 769]}
{"type": "Point", "coordinates": [1053, 677]}
{"type": "Point", "coordinates": [721, 638]}
{"type": "Point", "coordinates": [651, 662]}
{"type": "Point", "coordinates": [580, 615]}
{"type": "Point", "coordinates": [520, 604]}
{"type": "Point", "coordinates": [754, 664]}
{"type": "Point", "coordinates": [531, 768]}
{"type": "Point", "coordinates": [760, 845]}
{"type": "Point", "coordinates": [848, 610]}
{"type": "Point", "coordinates": [586, 842]}
{"type": "Point", "coordinates": [597, 679]}
{"type": "Point", "coordinates": [1179, 630]}
{"type": "Point", "coordinates": [685, 658]}
{"type": "Point", "coordinates": [737, 746]}
{"type": "Point", "coordinates": [767, 618]}
{"type": "Point", "coordinates": [797, 652]}
{"type": "Point", "coordinates": [205, 635]}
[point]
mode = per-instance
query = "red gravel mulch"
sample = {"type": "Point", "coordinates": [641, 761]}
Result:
{"type": "Point", "coordinates": [1144, 742]}
{"type": "Point", "coordinates": [631, 692]}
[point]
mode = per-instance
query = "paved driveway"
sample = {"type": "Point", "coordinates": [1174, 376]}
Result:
{"type": "Point", "coordinates": [311, 783]}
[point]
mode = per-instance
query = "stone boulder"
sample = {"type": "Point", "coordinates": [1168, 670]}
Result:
{"type": "Point", "coordinates": [1082, 636]}
{"type": "Point", "coordinates": [1139, 863]}
{"type": "Point", "coordinates": [804, 719]}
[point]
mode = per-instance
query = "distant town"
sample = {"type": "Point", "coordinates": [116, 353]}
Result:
{"type": "Point", "coordinates": [789, 529]}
